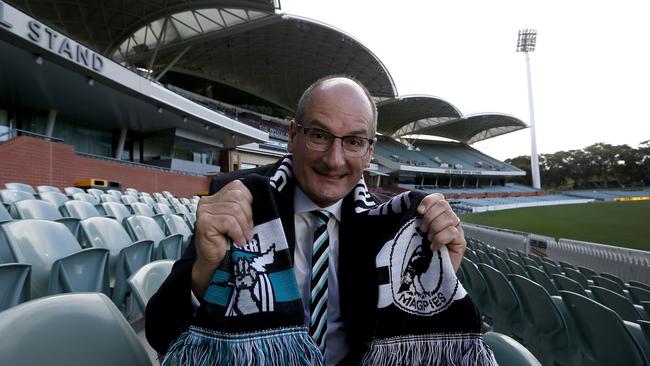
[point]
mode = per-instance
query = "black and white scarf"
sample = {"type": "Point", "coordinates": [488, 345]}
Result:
{"type": "Point", "coordinates": [252, 313]}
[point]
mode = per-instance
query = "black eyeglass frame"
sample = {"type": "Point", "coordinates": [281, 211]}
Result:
{"type": "Point", "coordinates": [305, 130]}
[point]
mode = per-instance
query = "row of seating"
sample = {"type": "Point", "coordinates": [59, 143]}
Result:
{"type": "Point", "coordinates": [43, 252]}
{"type": "Point", "coordinates": [518, 297]}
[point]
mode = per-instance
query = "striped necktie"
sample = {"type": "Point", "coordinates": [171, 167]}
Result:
{"type": "Point", "coordinates": [319, 273]}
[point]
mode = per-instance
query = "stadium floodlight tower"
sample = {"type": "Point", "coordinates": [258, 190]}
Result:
{"type": "Point", "coordinates": [526, 44]}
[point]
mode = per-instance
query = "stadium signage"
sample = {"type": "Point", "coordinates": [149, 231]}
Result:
{"type": "Point", "coordinates": [64, 46]}
{"type": "Point", "coordinates": [3, 21]}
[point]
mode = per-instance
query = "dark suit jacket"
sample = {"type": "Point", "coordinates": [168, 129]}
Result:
{"type": "Point", "coordinates": [169, 312]}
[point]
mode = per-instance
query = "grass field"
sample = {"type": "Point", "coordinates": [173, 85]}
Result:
{"type": "Point", "coordinates": [624, 224]}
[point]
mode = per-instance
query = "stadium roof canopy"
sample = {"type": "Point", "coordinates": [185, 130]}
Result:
{"type": "Point", "coordinates": [103, 24]}
{"type": "Point", "coordinates": [410, 113]}
{"type": "Point", "coordinates": [473, 128]}
{"type": "Point", "coordinates": [243, 44]}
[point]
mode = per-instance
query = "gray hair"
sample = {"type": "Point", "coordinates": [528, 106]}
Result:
{"type": "Point", "coordinates": [306, 96]}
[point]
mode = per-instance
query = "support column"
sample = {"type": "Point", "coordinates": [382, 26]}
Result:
{"type": "Point", "coordinates": [120, 144]}
{"type": "Point", "coordinates": [51, 121]}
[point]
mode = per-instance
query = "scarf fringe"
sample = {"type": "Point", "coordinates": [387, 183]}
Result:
{"type": "Point", "coordinates": [276, 347]}
{"type": "Point", "coordinates": [440, 349]}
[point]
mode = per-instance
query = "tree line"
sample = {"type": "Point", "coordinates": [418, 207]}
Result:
{"type": "Point", "coordinates": [599, 165]}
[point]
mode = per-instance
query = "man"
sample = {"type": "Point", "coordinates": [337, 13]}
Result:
{"type": "Point", "coordinates": [325, 170]}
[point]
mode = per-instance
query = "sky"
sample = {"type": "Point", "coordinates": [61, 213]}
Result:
{"type": "Point", "coordinates": [590, 69]}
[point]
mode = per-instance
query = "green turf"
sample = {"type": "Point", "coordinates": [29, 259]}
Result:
{"type": "Point", "coordinates": [624, 224]}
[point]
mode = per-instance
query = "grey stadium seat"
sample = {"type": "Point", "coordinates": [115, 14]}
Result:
{"type": "Point", "coordinates": [140, 208]}
{"type": "Point", "coordinates": [58, 262]}
{"type": "Point", "coordinates": [175, 224]}
{"type": "Point", "coordinates": [21, 187]}
{"type": "Point", "coordinates": [57, 198]}
{"type": "Point", "coordinates": [509, 352]}
{"type": "Point", "coordinates": [161, 208]}
{"type": "Point", "coordinates": [14, 284]}
{"type": "Point", "coordinates": [4, 214]}
{"type": "Point", "coordinates": [43, 210]}
{"type": "Point", "coordinates": [146, 280]}
{"type": "Point", "coordinates": [9, 196]}
{"type": "Point", "coordinates": [87, 197]}
{"type": "Point", "coordinates": [80, 209]}
{"type": "Point", "coordinates": [97, 193]}
{"type": "Point", "coordinates": [145, 228]}
{"type": "Point", "coordinates": [108, 198]}
{"type": "Point", "coordinates": [116, 210]}
{"type": "Point", "coordinates": [72, 190]}
{"type": "Point", "coordinates": [71, 330]}
{"type": "Point", "coordinates": [125, 256]}
{"type": "Point", "coordinates": [43, 189]}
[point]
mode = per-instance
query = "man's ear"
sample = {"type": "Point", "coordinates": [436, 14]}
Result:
{"type": "Point", "coordinates": [293, 130]}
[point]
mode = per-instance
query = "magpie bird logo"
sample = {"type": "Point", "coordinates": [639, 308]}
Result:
{"type": "Point", "coordinates": [422, 282]}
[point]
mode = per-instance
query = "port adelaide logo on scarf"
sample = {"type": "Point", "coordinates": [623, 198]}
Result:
{"type": "Point", "coordinates": [421, 282]}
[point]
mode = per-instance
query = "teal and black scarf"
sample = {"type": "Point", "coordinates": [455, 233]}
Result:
{"type": "Point", "coordinates": [252, 313]}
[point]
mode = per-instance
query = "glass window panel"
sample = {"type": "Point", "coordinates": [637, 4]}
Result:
{"type": "Point", "coordinates": [183, 30]}
{"type": "Point", "coordinates": [212, 14]}
{"type": "Point", "coordinates": [230, 18]}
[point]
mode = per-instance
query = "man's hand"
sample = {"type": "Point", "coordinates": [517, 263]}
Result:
{"type": "Point", "coordinates": [225, 214]}
{"type": "Point", "coordinates": [442, 227]}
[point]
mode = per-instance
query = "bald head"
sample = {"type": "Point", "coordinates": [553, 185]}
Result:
{"type": "Point", "coordinates": [329, 83]}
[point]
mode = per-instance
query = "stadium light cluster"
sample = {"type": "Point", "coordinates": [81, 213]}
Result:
{"type": "Point", "coordinates": [526, 40]}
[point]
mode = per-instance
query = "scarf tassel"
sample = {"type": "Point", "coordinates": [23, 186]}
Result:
{"type": "Point", "coordinates": [427, 350]}
{"type": "Point", "coordinates": [276, 347]}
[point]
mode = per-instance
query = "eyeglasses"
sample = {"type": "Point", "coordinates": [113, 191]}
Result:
{"type": "Point", "coordinates": [321, 140]}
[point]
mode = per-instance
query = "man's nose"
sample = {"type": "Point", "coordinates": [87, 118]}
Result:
{"type": "Point", "coordinates": [335, 155]}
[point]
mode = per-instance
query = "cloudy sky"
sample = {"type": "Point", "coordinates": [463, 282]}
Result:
{"type": "Point", "coordinates": [590, 69]}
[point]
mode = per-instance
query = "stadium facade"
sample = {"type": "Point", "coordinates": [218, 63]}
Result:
{"type": "Point", "coordinates": [201, 87]}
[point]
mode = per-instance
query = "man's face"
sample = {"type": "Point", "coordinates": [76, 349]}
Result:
{"type": "Point", "coordinates": [340, 107]}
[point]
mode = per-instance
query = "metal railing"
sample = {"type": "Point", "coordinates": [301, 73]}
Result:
{"type": "Point", "coordinates": [10, 134]}
{"type": "Point", "coordinates": [628, 264]}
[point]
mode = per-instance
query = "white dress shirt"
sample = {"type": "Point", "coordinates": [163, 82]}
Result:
{"type": "Point", "coordinates": [305, 224]}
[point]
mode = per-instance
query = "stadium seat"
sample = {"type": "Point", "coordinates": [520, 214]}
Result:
{"type": "Point", "coordinates": [116, 210]}
{"type": "Point", "coordinates": [645, 326]}
{"type": "Point", "coordinates": [9, 196]}
{"type": "Point", "coordinates": [147, 200]}
{"type": "Point", "coordinates": [549, 337]}
{"type": "Point", "coordinates": [128, 199]}
{"type": "Point", "coordinates": [97, 193]}
{"type": "Point", "coordinates": [4, 214]}
{"type": "Point", "coordinates": [577, 276]}
{"type": "Point", "coordinates": [146, 281]}
{"type": "Point", "coordinates": [175, 224]}
{"type": "Point", "coordinates": [125, 258]}
{"type": "Point", "coordinates": [56, 198]}
{"type": "Point", "coordinates": [483, 257]}
{"type": "Point", "coordinates": [145, 228]}
{"type": "Point", "coordinates": [638, 294]}
{"type": "Point", "coordinates": [58, 262]}
{"type": "Point", "coordinates": [21, 187]}
{"type": "Point", "coordinates": [542, 279]}
{"type": "Point", "coordinates": [608, 284]}
{"type": "Point", "coordinates": [567, 284]}
{"type": "Point", "coordinates": [550, 268]}
{"type": "Point", "coordinates": [537, 259]}
{"type": "Point", "coordinates": [43, 210]}
{"type": "Point", "coordinates": [605, 339]}
{"type": "Point", "coordinates": [86, 197]}
{"type": "Point", "coordinates": [140, 208]}
{"type": "Point", "coordinates": [108, 198]}
{"type": "Point", "coordinates": [500, 264]}
{"type": "Point", "coordinates": [115, 193]}
{"type": "Point", "coordinates": [80, 209]}
{"type": "Point", "coordinates": [14, 284]}
{"type": "Point", "coordinates": [43, 189]}
{"type": "Point", "coordinates": [639, 284]}
{"type": "Point", "coordinates": [529, 262]}
{"type": "Point", "coordinates": [614, 278]}
{"type": "Point", "coordinates": [477, 289]}
{"type": "Point", "coordinates": [564, 264]}
{"type": "Point", "coordinates": [507, 313]}
{"type": "Point", "coordinates": [161, 208]}
{"type": "Point", "coordinates": [469, 253]}
{"type": "Point", "coordinates": [516, 268]}
{"type": "Point", "coordinates": [509, 352]}
{"type": "Point", "coordinates": [71, 330]}
{"type": "Point", "coordinates": [588, 272]}
{"type": "Point", "coordinates": [617, 302]}
{"type": "Point", "coordinates": [70, 191]}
